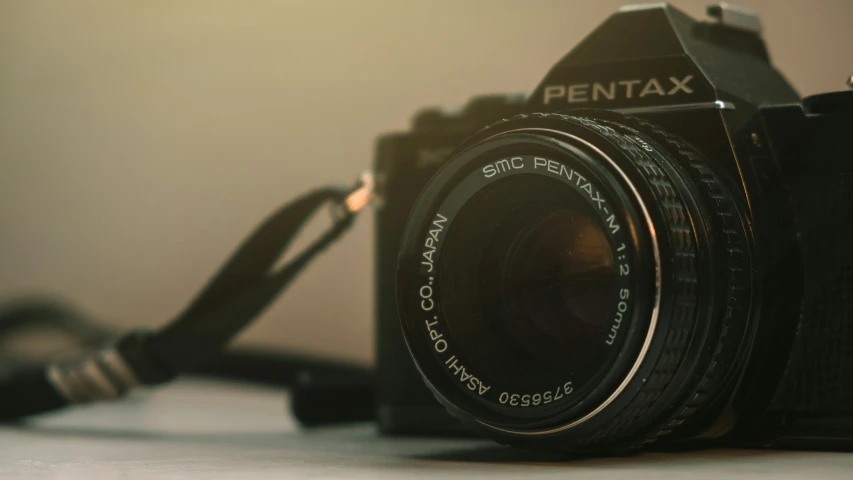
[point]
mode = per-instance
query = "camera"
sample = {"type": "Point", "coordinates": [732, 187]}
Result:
{"type": "Point", "coordinates": [652, 248]}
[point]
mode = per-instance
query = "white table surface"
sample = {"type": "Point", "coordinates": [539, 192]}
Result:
{"type": "Point", "coordinates": [198, 429]}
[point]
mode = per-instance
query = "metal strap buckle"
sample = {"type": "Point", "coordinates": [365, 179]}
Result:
{"type": "Point", "coordinates": [362, 195]}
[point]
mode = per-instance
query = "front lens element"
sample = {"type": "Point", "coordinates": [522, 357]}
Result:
{"type": "Point", "coordinates": [555, 285]}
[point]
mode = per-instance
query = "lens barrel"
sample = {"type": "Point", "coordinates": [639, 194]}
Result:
{"type": "Point", "coordinates": [578, 282]}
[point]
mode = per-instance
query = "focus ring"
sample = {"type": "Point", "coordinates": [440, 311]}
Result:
{"type": "Point", "coordinates": [733, 321]}
{"type": "Point", "coordinates": [651, 165]}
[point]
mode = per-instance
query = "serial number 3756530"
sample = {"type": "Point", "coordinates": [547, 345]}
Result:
{"type": "Point", "coordinates": [528, 400]}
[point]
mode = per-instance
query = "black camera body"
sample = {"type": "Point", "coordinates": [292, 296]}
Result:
{"type": "Point", "coordinates": [763, 355]}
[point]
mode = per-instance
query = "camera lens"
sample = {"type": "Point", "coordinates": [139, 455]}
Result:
{"type": "Point", "coordinates": [548, 281]}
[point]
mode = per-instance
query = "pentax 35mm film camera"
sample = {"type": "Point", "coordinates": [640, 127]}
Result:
{"type": "Point", "coordinates": [655, 246]}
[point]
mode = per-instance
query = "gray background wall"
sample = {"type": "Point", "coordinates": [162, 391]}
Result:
{"type": "Point", "coordinates": [140, 141]}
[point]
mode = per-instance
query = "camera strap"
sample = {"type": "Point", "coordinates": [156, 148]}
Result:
{"type": "Point", "coordinates": [232, 299]}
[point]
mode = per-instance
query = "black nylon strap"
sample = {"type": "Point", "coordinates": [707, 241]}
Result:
{"type": "Point", "coordinates": [244, 286]}
{"type": "Point", "coordinates": [241, 290]}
